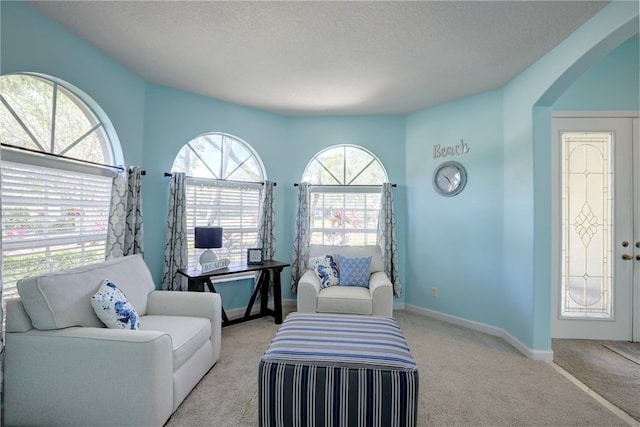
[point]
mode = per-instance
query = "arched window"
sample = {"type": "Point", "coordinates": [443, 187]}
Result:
{"type": "Point", "coordinates": [54, 208]}
{"type": "Point", "coordinates": [224, 179]}
{"type": "Point", "coordinates": [345, 195]}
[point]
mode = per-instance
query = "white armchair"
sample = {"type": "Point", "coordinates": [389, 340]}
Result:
{"type": "Point", "coordinates": [376, 299]}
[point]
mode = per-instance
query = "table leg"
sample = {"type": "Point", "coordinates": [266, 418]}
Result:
{"type": "Point", "coordinates": [212, 289]}
{"type": "Point", "coordinates": [247, 312]}
{"type": "Point", "coordinates": [264, 291]}
{"type": "Point", "coordinates": [277, 297]}
{"type": "Point", "coordinates": [195, 285]}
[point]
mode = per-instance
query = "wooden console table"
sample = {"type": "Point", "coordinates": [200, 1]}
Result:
{"type": "Point", "coordinates": [197, 280]}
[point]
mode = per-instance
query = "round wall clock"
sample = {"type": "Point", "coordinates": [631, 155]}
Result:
{"type": "Point", "coordinates": [449, 178]}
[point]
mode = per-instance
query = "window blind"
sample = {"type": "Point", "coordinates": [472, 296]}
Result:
{"type": "Point", "coordinates": [348, 217]}
{"type": "Point", "coordinates": [232, 206]}
{"type": "Point", "coordinates": [52, 220]}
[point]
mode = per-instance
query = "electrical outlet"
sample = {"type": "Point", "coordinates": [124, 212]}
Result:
{"type": "Point", "coordinates": [434, 292]}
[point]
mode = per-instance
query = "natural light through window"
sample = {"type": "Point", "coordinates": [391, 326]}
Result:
{"type": "Point", "coordinates": [54, 210]}
{"type": "Point", "coordinates": [224, 179]}
{"type": "Point", "coordinates": [345, 195]}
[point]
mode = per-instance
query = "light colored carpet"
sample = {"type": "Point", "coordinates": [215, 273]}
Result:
{"type": "Point", "coordinates": [612, 376]}
{"type": "Point", "coordinates": [467, 378]}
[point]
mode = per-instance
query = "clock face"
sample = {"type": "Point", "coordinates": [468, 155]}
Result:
{"type": "Point", "coordinates": [449, 178]}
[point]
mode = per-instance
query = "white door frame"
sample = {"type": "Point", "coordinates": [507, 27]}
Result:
{"type": "Point", "coordinates": [556, 226]}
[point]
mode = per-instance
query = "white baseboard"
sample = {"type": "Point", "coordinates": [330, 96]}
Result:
{"type": "Point", "coordinates": [539, 355]}
{"type": "Point", "coordinates": [398, 306]}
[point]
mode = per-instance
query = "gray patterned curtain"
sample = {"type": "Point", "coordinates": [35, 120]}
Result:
{"type": "Point", "coordinates": [387, 237]}
{"type": "Point", "coordinates": [125, 231]}
{"type": "Point", "coordinates": [302, 236]}
{"type": "Point", "coordinates": [175, 250]}
{"type": "Point", "coordinates": [266, 222]}
{"type": "Point", "coordinates": [266, 226]}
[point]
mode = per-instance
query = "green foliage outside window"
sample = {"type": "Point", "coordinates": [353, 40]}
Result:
{"type": "Point", "coordinates": [52, 219]}
{"type": "Point", "coordinates": [345, 197]}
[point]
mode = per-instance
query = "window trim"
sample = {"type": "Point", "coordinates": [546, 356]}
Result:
{"type": "Point", "coordinates": [32, 159]}
{"type": "Point", "coordinates": [62, 163]}
{"type": "Point", "coordinates": [115, 147]}
{"type": "Point", "coordinates": [343, 189]}
{"type": "Point", "coordinates": [344, 148]}
{"type": "Point", "coordinates": [213, 182]}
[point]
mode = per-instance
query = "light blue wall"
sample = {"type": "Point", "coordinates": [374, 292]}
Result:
{"type": "Point", "coordinates": [285, 146]}
{"type": "Point", "coordinates": [30, 41]}
{"type": "Point", "coordinates": [527, 155]}
{"type": "Point", "coordinates": [153, 122]}
{"type": "Point", "coordinates": [486, 250]}
{"type": "Point", "coordinates": [611, 84]}
{"type": "Point", "coordinates": [455, 243]}
{"type": "Point", "coordinates": [382, 135]}
{"type": "Point", "coordinates": [172, 119]}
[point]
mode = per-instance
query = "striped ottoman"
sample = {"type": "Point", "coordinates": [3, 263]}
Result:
{"type": "Point", "coordinates": [337, 370]}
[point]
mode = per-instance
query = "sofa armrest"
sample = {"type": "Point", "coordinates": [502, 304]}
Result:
{"type": "Point", "coordinates": [87, 376]}
{"type": "Point", "coordinates": [381, 290]}
{"type": "Point", "coordinates": [308, 289]}
{"type": "Point", "coordinates": [193, 304]}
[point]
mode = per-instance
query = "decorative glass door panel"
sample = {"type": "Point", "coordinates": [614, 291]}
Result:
{"type": "Point", "coordinates": [587, 225]}
{"type": "Point", "coordinates": [595, 281]}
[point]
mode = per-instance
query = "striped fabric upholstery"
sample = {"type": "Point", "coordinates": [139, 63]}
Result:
{"type": "Point", "coordinates": [337, 370]}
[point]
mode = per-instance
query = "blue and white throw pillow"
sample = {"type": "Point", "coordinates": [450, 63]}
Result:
{"type": "Point", "coordinates": [354, 271]}
{"type": "Point", "coordinates": [326, 269]}
{"type": "Point", "coordinates": [113, 308]}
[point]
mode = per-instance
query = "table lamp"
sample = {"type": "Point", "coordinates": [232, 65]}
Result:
{"type": "Point", "coordinates": [208, 238]}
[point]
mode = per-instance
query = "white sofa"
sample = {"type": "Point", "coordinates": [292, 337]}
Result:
{"type": "Point", "coordinates": [376, 300]}
{"type": "Point", "coordinates": [64, 367]}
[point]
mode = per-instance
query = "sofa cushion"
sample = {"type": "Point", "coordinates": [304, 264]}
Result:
{"type": "Point", "coordinates": [373, 251]}
{"type": "Point", "coordinates": [62, 299]}
{"type": "Point", "coordinates": [354, 271]}
{"type": "Point", "coordinates": [187, 334]}
{"type": "Point", "coordinates": [113, 308]}
{"type": "Point", "coordinates": [345, 299]}
{"type": "Point", "coordinates": [326, 269]}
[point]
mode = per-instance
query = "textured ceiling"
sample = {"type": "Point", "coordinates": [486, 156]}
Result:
{"type": "Point", "coordinates": [327, 57]}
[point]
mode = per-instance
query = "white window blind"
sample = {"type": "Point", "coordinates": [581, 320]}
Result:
{"type": "Point", "coordinates": [345, 195]}
{"type": "Point", "coordinates": [52, 220]}
{"type": "Point", "coordinates": [344, 215]}
{"type": "Point", "coordinates": [230, 205]}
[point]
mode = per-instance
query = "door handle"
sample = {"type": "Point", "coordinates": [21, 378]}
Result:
{"type": "Point", "coordinates": [637, 257]}
{"type": "Point", "coordinates": [627, 257]}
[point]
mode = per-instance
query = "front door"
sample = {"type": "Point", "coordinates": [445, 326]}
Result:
{"type": "Point", "coordinates": [596, 229]}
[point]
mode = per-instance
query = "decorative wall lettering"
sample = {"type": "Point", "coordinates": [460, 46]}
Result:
{"type": "Point", "coordinates": [451, 150]}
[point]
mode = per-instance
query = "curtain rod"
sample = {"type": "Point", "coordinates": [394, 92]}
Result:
{"type": "Point", "coordinates": [224, 180]}
{"type": "Point", "coordinates": [295, 184]}
{"type": "Point", "coordinates": [60, 156]}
